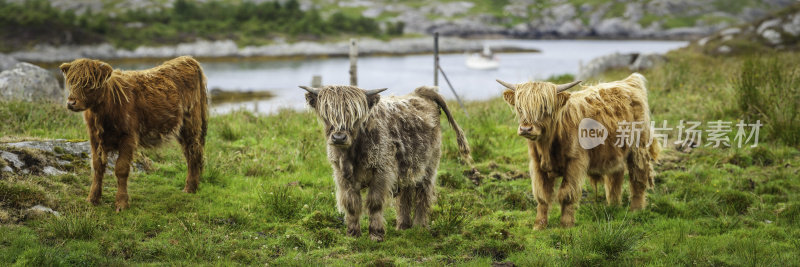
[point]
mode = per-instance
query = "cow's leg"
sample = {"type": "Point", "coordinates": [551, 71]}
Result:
{"type": "Point", "coordinates": [351, 201]}
{"type": "Point", "coordinates": [99, 159]}
{"type": "Point", "coordinates": [613, 187]}
{"type": "Point", "coordinates": [569, 194]}
{"type": "Point", "coordinates": [192, 143]}
{"type": "Point", "coordinates": [403, 203]}
{"type": "Point", "coordinates": [596, 179]}
{"type": "Point", "coordinates": [638, 178]}
{"type": "Point", "coordinates": [121, 170]}
{"type": "Point", "coordinates": [425, 196]}
{"type": "Point", "coordinates": [543, 188]}
{"type": "Point", "coordinates": [378, 191]}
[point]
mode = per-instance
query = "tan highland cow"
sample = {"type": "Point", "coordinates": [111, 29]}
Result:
{"type": "Point", "coordinates": [128, 109]}
{"type": "Point", "coordinates": [384, 145]}
{"type": "Point", "coordinates": [549, 117]}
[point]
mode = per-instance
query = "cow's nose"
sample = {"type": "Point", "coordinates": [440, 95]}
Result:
{"type": "Point", "coordinates": [339, 137]}
{"type": "Point", "coordinates": [525, 128]}
{"type": "Point", "coordinates": [71, 103]}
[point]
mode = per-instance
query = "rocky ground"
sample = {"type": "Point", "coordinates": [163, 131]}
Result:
{"type": "Point", "coordinates": [657, 19]}
{"type": "Point", "coordinates": [228, 48]}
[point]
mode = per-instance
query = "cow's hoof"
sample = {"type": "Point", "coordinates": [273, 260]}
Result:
{"type": "Point", "coordinates": [538, 227]}
{"type": "Point", "coordinates": [403, 226]}
{"type": "Point", "coordinates": [567, 224]}
{"type": "Point", "coordinates": [121, 206]}
{"type": "Point", "coordinates": [354, 232]}
{"type": "Point", "coordinates": [189, 190]}
{"type": "Point", "coordinates": [93, 201]}
{"type": "Point", "coordinates": [376, 238]}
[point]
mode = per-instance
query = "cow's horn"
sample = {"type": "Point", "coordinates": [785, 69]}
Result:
{"type": "Point", "coordinates": [374, 91]}
{"type": "Point", "coordinates": [310, 89]}
{"type": "Point", "coordinates": [507, 85]}
{"type": "Point", "coordinates": [564, 87]}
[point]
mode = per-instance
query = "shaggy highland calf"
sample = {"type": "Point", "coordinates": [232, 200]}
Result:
{"type": "Point", "coordinates": [386, 145]}
{"type": "Point", "coordinates": [549, 117]}
{"type": "Point", "coordinates": [128, 109]}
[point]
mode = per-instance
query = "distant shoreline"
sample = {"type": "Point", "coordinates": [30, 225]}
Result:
{"type": "Point", "coordinates": [228, 50]}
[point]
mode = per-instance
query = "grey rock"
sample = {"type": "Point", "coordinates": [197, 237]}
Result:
{"type": "Point", "coordinates": [29, 82]}
{"type": "Point", "coordinates": [724, 49]}
{"type": "Point", "coordinates": [768, 24]}
{"type": "Point", "coordinates": [616, 27]}
{"type": "Point", "coordinates": [55, 149]}
{"type": "Point", "coordinates": [572, 28]}
{"type": "Point", "coordinates": [7, 62]}
{"type": "Point", "coordinates": [646, 61]}
{"type": "Point", "coordinates": [703, 41]}
{"type": "Point", "coordinates": [730, 31]}
{"type": "Point", "coordinates": [449, 9]}
{"type": "Point", "coordinates": [7, 169]}
{"type": "Point", "coordinates": [562, 13]}
{"type": "Point", "coordinates": [683, 7]}
{"type": "Point", "coordinates": [634, 11]}
{"type": "Point", "coordinates": [52, 171]}
{"type": "Point", "coordinates": [793, 25]}
{"type": "Point", "coordinates": [12, 158]}
{"type": "Point", "coordinates": [601, 64]}
{"type": "Point", "coordinates": [773, 36]}
{"type": "Point", "coordinates": [43, 210]}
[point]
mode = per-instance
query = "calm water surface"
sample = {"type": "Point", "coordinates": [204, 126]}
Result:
{"type": "Point", "coordinates": [401, 74]}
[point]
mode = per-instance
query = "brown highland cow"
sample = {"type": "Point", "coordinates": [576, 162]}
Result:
{"type": "Point", "coordinates": [124, 110]}
{"type": "Point", "coordinates": [385, 145]}
{"type": "Point", "coordinates": [549, 117]}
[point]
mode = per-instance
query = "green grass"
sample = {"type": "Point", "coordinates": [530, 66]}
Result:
{"type": "Point", "coordinates": [266, 196]}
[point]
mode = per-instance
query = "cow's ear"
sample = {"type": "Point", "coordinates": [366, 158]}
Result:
{"type": "Point", "coordinates": [373, 99]}
{"type": "Point", "coordinates": [561, 99]}
{"type": "Point", "coordinates": [64, 68]}
{"type": "Point", "coordinates": [311, 100]}
{"type": "Point", "coordinates": [509, 97]}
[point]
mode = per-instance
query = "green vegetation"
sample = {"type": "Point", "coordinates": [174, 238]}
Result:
{"type": "Point", "coordinates": [266, 194]}
{"type": "Point", "coordinates": [35, 21]}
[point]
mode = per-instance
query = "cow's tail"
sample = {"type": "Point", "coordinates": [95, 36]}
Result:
{"type": "Point", "coordinates": [463, 145]}
{"type": "Point", "coordinates": [645, 157]}
{"type": "Point", "coordinates": [202, 92]}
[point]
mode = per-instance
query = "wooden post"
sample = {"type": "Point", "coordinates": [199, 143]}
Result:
{"type": "Point", "coordinates": [316, 81]}
{"type": "Point", "coordinates": [353, 60]}
{"type": "Point", "coordinates": [436, 59]}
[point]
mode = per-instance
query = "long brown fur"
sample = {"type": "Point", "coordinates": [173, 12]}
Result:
{"type": "Point", "coordinates": [394, 145]}
{"type": "Point", "coordinates": [125, 110]}
{"type": "Point", "coordinates": [555, 117]}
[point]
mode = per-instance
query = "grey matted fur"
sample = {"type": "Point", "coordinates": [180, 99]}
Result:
{"type": "Point", "coordinates": [393, 144]}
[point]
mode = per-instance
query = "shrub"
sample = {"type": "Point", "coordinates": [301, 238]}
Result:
{"type": "Point", "coordinates": [769, 90]}
{"type": "Point", "coordinates": [281, 201]}
{"type": "Point", "coordinates": [73, 225]}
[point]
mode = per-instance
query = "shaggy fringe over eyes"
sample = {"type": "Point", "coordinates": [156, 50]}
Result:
{"type": "Point", "coordinates": [534, 99]}
{"type": "Point", "coordinates": [342, 106]}
{"type": "Point", "coordinates": [81, 77]}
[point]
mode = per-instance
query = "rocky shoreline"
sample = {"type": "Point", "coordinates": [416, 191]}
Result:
{"type": "Point", "coordinates": [229, 49]}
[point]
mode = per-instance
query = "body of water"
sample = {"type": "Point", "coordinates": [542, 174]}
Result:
{"type": "Point", "coordinates": [402, 74]}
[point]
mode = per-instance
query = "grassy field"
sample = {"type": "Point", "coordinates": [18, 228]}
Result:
{"type": "Point", "coordinates": [266, 196]}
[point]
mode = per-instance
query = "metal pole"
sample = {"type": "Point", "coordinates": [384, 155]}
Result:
{"type": "Point", "coordinates": [460, 103]}
{"type": "Point", "coordinates": [436, 59]}
{"type": "Point", "coordinates": [353, 60]}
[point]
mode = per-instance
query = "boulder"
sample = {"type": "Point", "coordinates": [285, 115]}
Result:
{"type": "Point", "coordinates": [29, 82]}
{"type": "Point", "coordinates": [603, 63]}
{"type": "Point", "coordinates": [632, 61]}
{"type": "Point", "coordinates": [646, 61]}
{"type": "Point", "coordinates": [54, 157]}
{"type": "Point", "coordinates": [7, 62]}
